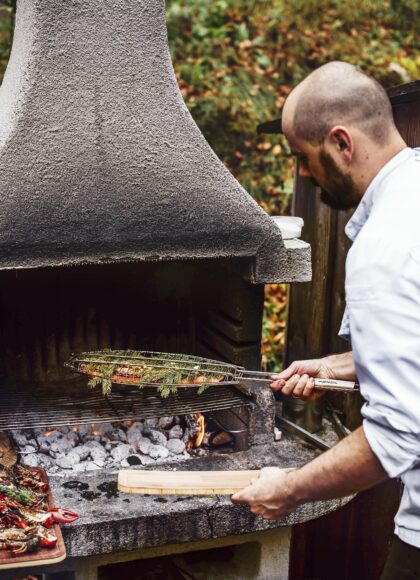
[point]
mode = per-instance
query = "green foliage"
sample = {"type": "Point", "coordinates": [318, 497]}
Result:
{"type": "Point", "coordinates": [21, 495]}
{"type": "Point", "coordinates": [236, 62]}
{"type": "Point", "coordinates": [7, 9]}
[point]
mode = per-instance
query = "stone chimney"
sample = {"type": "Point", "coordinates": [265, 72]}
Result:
{"type": "Point", "coordinates": [100, 160]}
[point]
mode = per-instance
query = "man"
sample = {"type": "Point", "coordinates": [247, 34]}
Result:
{"type": "Point", "coordinates": [339, 122]}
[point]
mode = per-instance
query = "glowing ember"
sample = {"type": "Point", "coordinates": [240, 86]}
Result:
{"type": "Point", "coordinates": [201, 432]}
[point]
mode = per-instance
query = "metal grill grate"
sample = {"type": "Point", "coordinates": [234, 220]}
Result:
{"type": "Point", "coordinates": [30, 406]}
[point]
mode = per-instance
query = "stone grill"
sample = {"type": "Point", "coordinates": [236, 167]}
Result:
{"type": "Point", "coordinates": [120, 228]}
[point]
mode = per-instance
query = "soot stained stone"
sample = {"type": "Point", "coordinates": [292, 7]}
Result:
{"type": "Point", "coordinates": [151, 523]}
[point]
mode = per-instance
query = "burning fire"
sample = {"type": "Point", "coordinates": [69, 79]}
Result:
{"type": "Point", "coordinates": [201, 432]}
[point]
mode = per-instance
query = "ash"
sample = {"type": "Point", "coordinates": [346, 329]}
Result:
{"type": "Point", "coordinates": [89, 448]}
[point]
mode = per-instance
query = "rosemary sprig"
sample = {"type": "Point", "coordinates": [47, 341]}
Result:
{"type": "Point", "coordinates": [21, 495]}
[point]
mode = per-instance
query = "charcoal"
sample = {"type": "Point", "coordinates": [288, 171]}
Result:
{"type": "Point", "coordinates": [19, 438]}
{"type": "Point", "coordinates": [137, 426]}
{"type": "Point", "coordinates": [146, 460]}
{"type": "Point", "coordinates": [103, 429]}
{"type": "Point", "coordinates": [92, 444]}
{"type": "Point", "coordinates": [38, 432]}
{"type": "Point", "coordinates": [121, 452]}
{"type": "Point", "coordinates": [158, 452]}
{"type": "Point", "coordinates": [165, 422]}
{"type": "Point", "coordinates": [45, 462]}
{"type": "Point", "coordinates": [96, 438]}
{"type": "Point", "coordinates": [84, 430]}
{"type": "Point", "coordinates": [68, 461]}
{"type": "Point", "coordinates": [29, 449]}
{"type": "Point", "coordinates": [60, 446]}
{"type": "Point", "coordinates": [73, 438]}
{"type": "Point", "coordinates": [103, 445]}
{"type": "Point", "coordinates": [175, 446]}
{"type": "Point", "coordinates": [157, 437]}
{"type": "Point", "coordinates": [144, 446]}
{"type": "Point", "coordinates": [30, 460]}
{"type": "Point", "coordinates": [133, 437]}
{"type": "Point", "coordinates": [53, 436]}
{"type": "Point", "coordinates": [98, 454]}
{"type": "Point", "coordinates": [91, 466]}
{"type": "Point", "coordinates": [176, 432]}
{"type": "Point", "coordinates": [83, 451]}
{"type": "Point", "coordinates": [44, 444]}
{"type": "Point", "coordinates": [119, 435]}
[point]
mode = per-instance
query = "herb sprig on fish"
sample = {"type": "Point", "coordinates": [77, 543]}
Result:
{"type": "Point", "coordinates": [134, 368]}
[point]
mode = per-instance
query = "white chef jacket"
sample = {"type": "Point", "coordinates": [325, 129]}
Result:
{"type": "Point", "coordinates": [382, 320]}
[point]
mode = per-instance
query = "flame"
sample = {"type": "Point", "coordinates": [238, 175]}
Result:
{"type": "Point", "coordinates": [201, 432]}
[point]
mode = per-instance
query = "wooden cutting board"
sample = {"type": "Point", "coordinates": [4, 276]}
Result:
{"type": "Point", "coordinates": [184, 482]}
{"type": "Point", "coordinates": [42, 556]}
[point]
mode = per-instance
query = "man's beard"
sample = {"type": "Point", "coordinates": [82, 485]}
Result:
{"type": "Point", "coordinates": [339, 191]}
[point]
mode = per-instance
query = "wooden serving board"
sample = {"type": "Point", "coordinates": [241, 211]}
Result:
{"type": "Point", "coordinates": [42, 556]}
{"type": "Point", "coordinates": [184, 482]}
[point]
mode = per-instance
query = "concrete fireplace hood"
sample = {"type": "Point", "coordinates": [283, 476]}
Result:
{"type": "Point", "coordinates": [100, 160]}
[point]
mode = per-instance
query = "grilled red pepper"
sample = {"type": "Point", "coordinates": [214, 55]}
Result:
{"type": "Point", "coordinates": [48, 541]}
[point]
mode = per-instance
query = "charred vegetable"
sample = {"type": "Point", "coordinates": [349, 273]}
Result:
{"type": "Point", "coordinates": [26, 522]}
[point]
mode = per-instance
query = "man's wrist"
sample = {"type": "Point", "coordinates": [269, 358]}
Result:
{"type": "Point", "coordinates": [296, 492]}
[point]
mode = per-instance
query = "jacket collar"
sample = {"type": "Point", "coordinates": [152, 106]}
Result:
{"type": "Point", "coordinates": [362, 212]}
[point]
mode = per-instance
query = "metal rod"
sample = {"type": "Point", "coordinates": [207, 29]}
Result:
{"type": "Point", "coordinates": [294, 429]}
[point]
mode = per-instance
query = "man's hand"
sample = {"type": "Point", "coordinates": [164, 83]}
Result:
{"type": "Point", "coordinates": [269, 495]}
{"type": "Point", "coordinates": [346, 468]}
{"type": "Point", "coordinates": [298, 378]}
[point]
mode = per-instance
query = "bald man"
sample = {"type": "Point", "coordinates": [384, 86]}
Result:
{"type": "Point", "coordinates": [339, 122]}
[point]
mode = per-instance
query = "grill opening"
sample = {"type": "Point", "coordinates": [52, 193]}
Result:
{"type": "Point", "coordinates": [205, 308]}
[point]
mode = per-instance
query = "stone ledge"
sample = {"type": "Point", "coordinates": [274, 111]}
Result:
{"type": "Point", "coordinates": [114, 522]}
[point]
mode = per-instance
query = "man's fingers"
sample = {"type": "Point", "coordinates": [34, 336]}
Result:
{"type": "Point", "coordinates": [258, 510]}
{"type": "Point", "coordinates": [240, 498]}
{"type": "Point", "coordinates": [290, 385]}
{"type": "Point", "coordinates": [287, 373]}
{"type": "Point", "coordinates": [300, 386]}
{"type": "Point", "coordinates": [278, 385]}
{"type": "Point", "coordinates": [309, 387]}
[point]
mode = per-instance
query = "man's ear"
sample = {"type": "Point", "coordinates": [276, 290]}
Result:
{"type": "Point", "coordinates": [341, 140]}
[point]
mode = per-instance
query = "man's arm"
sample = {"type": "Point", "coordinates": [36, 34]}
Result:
{"type": "Point", "coordinates": [349, 467]}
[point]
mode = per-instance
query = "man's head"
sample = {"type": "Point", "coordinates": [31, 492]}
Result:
{"type": "Point", "coordinates": [339, 122]}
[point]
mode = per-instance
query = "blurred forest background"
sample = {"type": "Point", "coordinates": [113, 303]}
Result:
{"type": "Point", "coordinates": [237, 60]}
